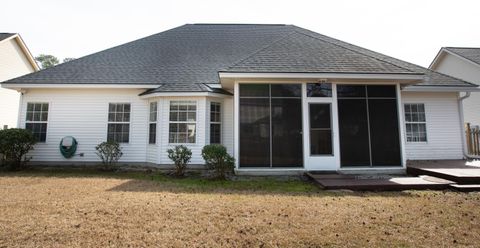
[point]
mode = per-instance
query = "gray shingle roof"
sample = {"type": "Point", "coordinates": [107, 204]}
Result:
{"type": "Point", "coordinates": [3, 36]}
{"type": "Point", "coordinates": [179, 59]}
{"type": "Point", "coordinates": [470, 53]}
{"type": "Point", "coordinates": [299, 52]}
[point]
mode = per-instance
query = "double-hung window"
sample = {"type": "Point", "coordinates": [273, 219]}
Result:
{"type": "Point", "coordinates": [118, 122]}
{"type": "Point", "coordinates": [183, 122]}
{"type": "Point", "coordinates": [36, 121]}
{"type": "Point", "coordinates": [215, 123]}
{"type": "Point", "coordinates": [152, 128]}
{"type": "Point", "coordinates": [416, 125]}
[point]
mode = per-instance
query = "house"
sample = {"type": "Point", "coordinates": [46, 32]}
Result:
{"type": "Point", "coordinates": [463, 63]}
{"type": "Point", "coordinates": [15, 60]}
{"type": "Point", "coordinates": [281, 98]}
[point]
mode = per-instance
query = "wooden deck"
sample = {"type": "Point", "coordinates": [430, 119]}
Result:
{"type": "Point", "coordinates": [377, 183]}
{"type": "Point", "coordinates": [453, 170]}
{"type": "Point", "coordinates": [458, 175]}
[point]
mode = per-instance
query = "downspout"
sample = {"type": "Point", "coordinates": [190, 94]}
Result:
{"type": "Point", "coordinates": [462, 126]}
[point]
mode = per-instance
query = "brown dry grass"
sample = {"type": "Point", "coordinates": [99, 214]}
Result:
{"type": "Point", "coordinates": [105, 212]}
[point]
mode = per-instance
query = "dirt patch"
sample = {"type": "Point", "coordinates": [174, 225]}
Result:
{"type": "Point", "coordinates": [103, 212]}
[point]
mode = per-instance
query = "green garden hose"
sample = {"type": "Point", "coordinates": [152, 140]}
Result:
{"type": "Point", "coordinates": [68, 151]}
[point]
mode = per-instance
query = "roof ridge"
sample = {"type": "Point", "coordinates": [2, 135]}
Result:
{"type": "Point", "coordinates": [240, 24]}
{"type": "Point", "coordinates": [388, 62]}
{"type": "Point", "coordinates": [259, 50]}
{"type": "Point", "coordinates": [462, 47]}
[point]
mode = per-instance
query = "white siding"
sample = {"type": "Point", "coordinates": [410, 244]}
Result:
{"type": "Point", "coordinates": [457, 67]}
{"type": "Point", "coordinates": [443, 127]}
{"type": "Point", "coordinates": [83, 114]}
{"type": "Point", "coordinates": [227, 125]}
{"type": "Point", "coordinates": [13, 63]}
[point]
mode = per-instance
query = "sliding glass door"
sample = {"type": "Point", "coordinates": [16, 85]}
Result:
{"type": "Point", "coordinates": [368, 125]}
{"type": "Point", "coordinates": [271, 125]}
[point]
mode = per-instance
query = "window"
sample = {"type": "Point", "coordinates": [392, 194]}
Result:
{"type": "Point", "coordinates": [320, 129]}
{"type": "Point", "coordinates": [415, 122]}
{"type": "Point", "coordinates": [215, 123]}
{"type": "Point", "coordinates": [319, 90]}
{"type": "Point", "coordinates": [118, 122]}
{"type": "Point", "coordinates": [36, 121]}
{"type": "Point", "coordinates": [183, 117]}
{"type": "Point", "coordinates": [152, 128]}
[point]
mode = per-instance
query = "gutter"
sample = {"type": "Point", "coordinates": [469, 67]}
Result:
{"type": "Point", "coordinates": [462, 127]}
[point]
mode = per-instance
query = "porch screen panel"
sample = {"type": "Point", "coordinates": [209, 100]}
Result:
{"type": "Point", "coordinates": [287, 132]}
{"type": "Point", "coordinates": [368, 121]}
{"type": "Point", "coordinates": [384, 130]}
{"type": "Point", "coordinates": [254, 132]}
{"type": "Point", "coordinates": [270, 125]}
{"type": "Point", "coordinates": [353, 127]}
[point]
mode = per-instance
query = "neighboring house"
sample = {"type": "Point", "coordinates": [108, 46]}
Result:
{"type": "Point", "coordinates": [15, 61]}
{"type": "Point", "coordinates": [464, 63]}
{"type": "Point", "coordinates": [280, 98]}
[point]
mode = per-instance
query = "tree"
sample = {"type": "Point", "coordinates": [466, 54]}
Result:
{"type": "Point", "coordinates": [68, 59]}
{"type": "Point", "coordinates": [46, 60]}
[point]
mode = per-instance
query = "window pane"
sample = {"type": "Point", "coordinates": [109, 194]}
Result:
{"type": "Point", "coordinates": [215, 134]}
{"type": "Point", "coordinates": [320, 116]}
{"type": "Point", "coordinates": [382, 91]}
{"type": "Point", "coordinates": [192, 116]}
{"type": "Point", "coordinates": [118, 132]}
{"type": "Point", "coordinates": [45, 107]}
{"type": "Point", "coordinates": [39, 130]}
{"type": "Point", "coordinates": [152, 133]}
{"type": "Point", "coordinates": [37, 107]}
{"type": "Point", "coordinates": [319, 90]}
{"type": "Point", "coordinates": [30, 106]}
{"type": "Point", "coordinates": [254, 132]}
{"type": "Point", "coordinates": [29, 116]}
{"type": "Point", "coordinates": [44, 116]}
{"type": "Point", "coordinates": [256, 90]}
{"type": "Point", "coordinates": [350, 90]}
{"type": "Point", "coordinates": [286, 90]}
{"type": "Point", "coordinates": [321, 142]}
{"type": "Point", "coordinates": [182, 116]}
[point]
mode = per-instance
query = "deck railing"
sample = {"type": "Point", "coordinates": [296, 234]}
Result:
{"type": "Point", "coordinates": [473, 139]}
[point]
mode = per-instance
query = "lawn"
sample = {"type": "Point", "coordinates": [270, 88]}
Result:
{"type": "Point", "coordinates": [88, 208]}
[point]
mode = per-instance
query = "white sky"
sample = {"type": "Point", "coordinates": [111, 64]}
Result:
{"type": "Point", "coordinates": [410, 30]}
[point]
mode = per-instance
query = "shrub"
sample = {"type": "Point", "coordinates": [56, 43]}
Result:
{"type": "Point", "coordinates": [180, 155]}
{"type": "Point", "coordinates": [15, 143]}
{"type": "Point", "coordinates": [110, 152]}
{"type": "Point", "coordinates": [217, 159]}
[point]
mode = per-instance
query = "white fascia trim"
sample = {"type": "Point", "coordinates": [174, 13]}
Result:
{"type": "Point", "coordinates": [322, 75]}
{"type": "Point", "coordinates": [180, 94]}
{"type": "Point", "coordinates": [436, 59]}
{"type": "Point", "coordinates": [79, 86]}
{"type": "Point", "coordinates": [440, 89]}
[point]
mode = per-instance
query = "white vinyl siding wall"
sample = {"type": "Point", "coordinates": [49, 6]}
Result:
{"type": "Point", "coordinates": [13, 63]}
{"type": "Point", "coordinates": [444, 139]}
{"type": "Point", "coordinates": [457, 67]}
{"type": "Point", "coordinates": [83, 114]}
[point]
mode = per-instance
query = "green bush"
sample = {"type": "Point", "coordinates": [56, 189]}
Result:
{"type": "Point", "coordinates": [109, 152]}
{"type": "Point", "coordinates": [180, 155]}
{"type": "Point", "coordinates": [217, 159]}
{"type": "Point", "coordinates": [15, 143]}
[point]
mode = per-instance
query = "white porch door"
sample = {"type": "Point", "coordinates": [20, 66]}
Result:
{"type": "Point", "coordinates": [320, 125]}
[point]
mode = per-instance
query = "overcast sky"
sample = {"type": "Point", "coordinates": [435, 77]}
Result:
{"type": "Point", "coordinates": [410, 30]}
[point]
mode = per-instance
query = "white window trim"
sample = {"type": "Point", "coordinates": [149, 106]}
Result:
{"type": "Point", "coordinates": [152, 122]}
{"type": "Point", "coordinates": [415, 122]}
{"type": "Point", "coordinates": [33, 122]}
{"type": "Point", "coordinates": [216, 122]}
{"type": "Point", "coordinates": [120, 122]}
{"type": "Point", "coordinates": [186, 122]}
